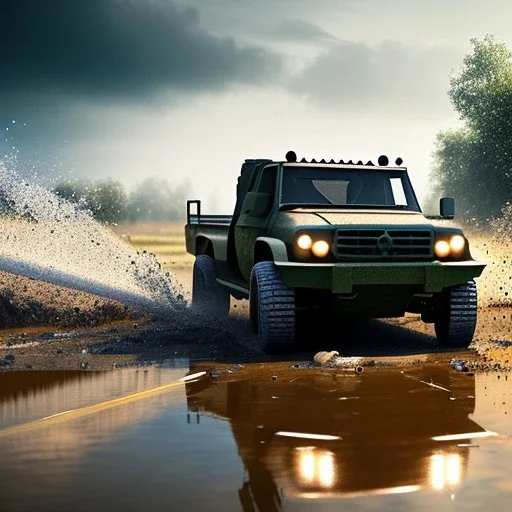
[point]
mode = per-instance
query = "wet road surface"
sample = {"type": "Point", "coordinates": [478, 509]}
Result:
{"type": "Point", "coordinates": [264, 437]}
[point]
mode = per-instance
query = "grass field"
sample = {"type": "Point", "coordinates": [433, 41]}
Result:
{"type": "Point", "coordinates": [165, 240]}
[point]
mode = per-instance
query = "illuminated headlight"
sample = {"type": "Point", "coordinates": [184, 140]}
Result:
{"type": "Point", "coordinates": [315, 468]}
{"type": "Point", "coordinates": [457, 244]}
{"type": "Point", "coordinates": [442, 249]}
{"type": "Point", "coordinates": [304, 242]}
{"type": "Point", "coordinates": [453, 247]}
{"type": "Point", "coordinates": [445, 470]}
{"type": "Point", "coordinates": [320, 249]}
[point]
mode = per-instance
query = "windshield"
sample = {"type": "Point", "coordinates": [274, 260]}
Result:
{"type": "Point", "coordinates": [349, 188]}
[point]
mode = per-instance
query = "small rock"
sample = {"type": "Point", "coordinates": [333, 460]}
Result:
{"type": "Point", "coordinates": [47, 335]}
{"type": "Point", "coordinates": [459, 365]}
{"type": "Point", "coordinates": [324, 357]}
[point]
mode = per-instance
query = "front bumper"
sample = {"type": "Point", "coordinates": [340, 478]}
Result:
{"type": "Point", "coordinates": [342, 277]}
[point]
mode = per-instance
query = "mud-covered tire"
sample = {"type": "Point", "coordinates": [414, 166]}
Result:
{"type": "Point", "coordinates": [207, 294]}
{"type": "Point", "coordinates": [455, 319]}
{"type": "Point", "coordinates": [272, 308]}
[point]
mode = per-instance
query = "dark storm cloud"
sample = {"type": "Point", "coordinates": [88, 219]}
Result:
{"type": "Point", "coordinates": [107, 47]}
{"type": "Point", "coordinates": [390, 77]}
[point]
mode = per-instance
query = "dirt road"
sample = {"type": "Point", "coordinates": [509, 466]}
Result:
{"type": "Point", "coordinates": [101, 334]}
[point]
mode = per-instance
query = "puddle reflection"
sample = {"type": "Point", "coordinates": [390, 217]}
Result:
{"type": "Point", "coordinates": [256, 438]}
{"type": "Point", "coordinates": [328, 435]}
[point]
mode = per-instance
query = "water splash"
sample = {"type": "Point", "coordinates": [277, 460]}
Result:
{"type": "Point", "coordinates": [47, 238]}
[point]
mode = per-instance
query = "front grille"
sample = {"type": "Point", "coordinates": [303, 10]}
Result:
{"type": "Point", "coordinates": [382, 244]}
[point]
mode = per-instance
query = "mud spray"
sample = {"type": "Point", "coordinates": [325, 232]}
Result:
{"type": "Point", "coordinates": [492, 244]}
{"type": "Point", "coordinates": [48, 239]}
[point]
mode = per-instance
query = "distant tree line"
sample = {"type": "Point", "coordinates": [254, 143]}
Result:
{"type": "Point", "coordinates": [153, 199]}
{"type": "Point", "coordinates": [473, 163]}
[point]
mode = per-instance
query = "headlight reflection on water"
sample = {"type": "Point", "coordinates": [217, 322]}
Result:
{"type": "Point", "coordinates": [315, 468]}
{"type": "Point", "coordinates": [445, 470]}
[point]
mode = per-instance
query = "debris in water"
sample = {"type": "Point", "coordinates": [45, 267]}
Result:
{"type": "Point", "coordinates": [333, 360]}
{"type": "Point", "coordinates": [436, 386]}
{"type": "Point", "coordinates": [459, 365]}
{"type": "Point", "coordinates": [325, 357]}
{"type": "Point", "coordinates": [193, 376]}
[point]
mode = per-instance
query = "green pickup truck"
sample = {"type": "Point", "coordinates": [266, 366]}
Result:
{"type": "Point", "coordinates": [346, 238]}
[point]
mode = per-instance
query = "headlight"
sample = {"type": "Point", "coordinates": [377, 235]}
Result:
{"type": "Point", "coordinates": [320, 249]}
{"type": "Point", "coordinates": [316, 243]}
{"type": "Point", "coordinates": [304, 242]}
{"type": "Point", "coordinates": [453, 246]}
{"type": "Point", "coordinates": [442, 249]}
{"type": "Point", "coordinates": [457, 244]}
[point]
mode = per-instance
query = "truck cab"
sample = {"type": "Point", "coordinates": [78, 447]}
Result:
{"type": "Point", "coordinates": [344, 237]}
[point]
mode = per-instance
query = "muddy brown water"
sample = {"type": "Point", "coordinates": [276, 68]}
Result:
{"type": "Point", "coordinates": [264, 437]}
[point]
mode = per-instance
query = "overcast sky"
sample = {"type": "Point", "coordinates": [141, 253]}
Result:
{"type": "Point", "coordinates": [186, 89]}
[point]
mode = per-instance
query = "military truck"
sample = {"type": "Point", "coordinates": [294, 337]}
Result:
{"type": "Point", "coordinates": [347, 238]}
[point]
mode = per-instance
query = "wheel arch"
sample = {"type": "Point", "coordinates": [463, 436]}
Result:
{"type": "Point", "coordinates": [269, 249]}
{"type": "Point", "coordinates": [204, 246]}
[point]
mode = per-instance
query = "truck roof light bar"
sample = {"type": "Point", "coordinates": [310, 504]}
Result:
{"type": "Point", "coordinates": [383, 160]}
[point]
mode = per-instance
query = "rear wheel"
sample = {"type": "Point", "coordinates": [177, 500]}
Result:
{"type": "Point", "coordinates": [272, 308]}
{"type": "Point", "coordinates": [455, 317]}
{"type": "Point", "coordinates": [207, 294]}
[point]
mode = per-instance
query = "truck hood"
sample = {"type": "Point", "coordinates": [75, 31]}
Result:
{"type": "Point", "coordinates": [358, 218]}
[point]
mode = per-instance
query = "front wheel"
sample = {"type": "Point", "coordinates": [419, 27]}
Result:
{"type": "Point", "coordinates": [272, 308]}
{"type": "Point", "coordinates": [207, 294]}
{"type": "Point", "coordinates": [455, 317]}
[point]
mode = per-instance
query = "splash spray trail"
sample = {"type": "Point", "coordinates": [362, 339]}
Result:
{"type": "Point", "coordinates": [49, 239]}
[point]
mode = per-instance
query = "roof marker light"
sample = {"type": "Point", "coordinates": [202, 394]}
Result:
{"type": "Point", "coordinates": [399, 161]}
{"type": "Point", "coordinates": [291, 156]}
{"type": "Point", "coordinates": [369, 162]}
{"type": "Point", "coordinates": [383, 160]}
{"type": "Point", "coordinates": [341, 161]}
{"type": "Point", "coordinates": [303, 161]}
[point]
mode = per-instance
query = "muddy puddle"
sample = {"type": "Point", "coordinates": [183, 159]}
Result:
{"type": "Point", "coordinates": [263, 437]}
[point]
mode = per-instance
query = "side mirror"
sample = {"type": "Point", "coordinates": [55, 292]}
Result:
{"type": "Point", "coordinates": [447, 207]}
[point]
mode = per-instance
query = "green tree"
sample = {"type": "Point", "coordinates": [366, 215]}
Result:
{"type": "Point", "coordinates": [154, 199]}
{"type": "Point", "coordinates": [474, 162]}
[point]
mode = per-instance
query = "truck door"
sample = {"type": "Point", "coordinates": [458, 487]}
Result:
{"type": "Point", "coordinates": [255, 215]}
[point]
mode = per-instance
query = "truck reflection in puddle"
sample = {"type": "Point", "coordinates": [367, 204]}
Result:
{"type": "Point", "coordinates": [319, 434]}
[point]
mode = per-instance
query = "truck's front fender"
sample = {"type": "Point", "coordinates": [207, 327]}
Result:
{"type": "Point", "coordinates": [276, 247]}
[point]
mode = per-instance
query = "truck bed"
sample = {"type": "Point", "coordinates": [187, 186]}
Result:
{"type": "Point", "coordinates": [213, 227]}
